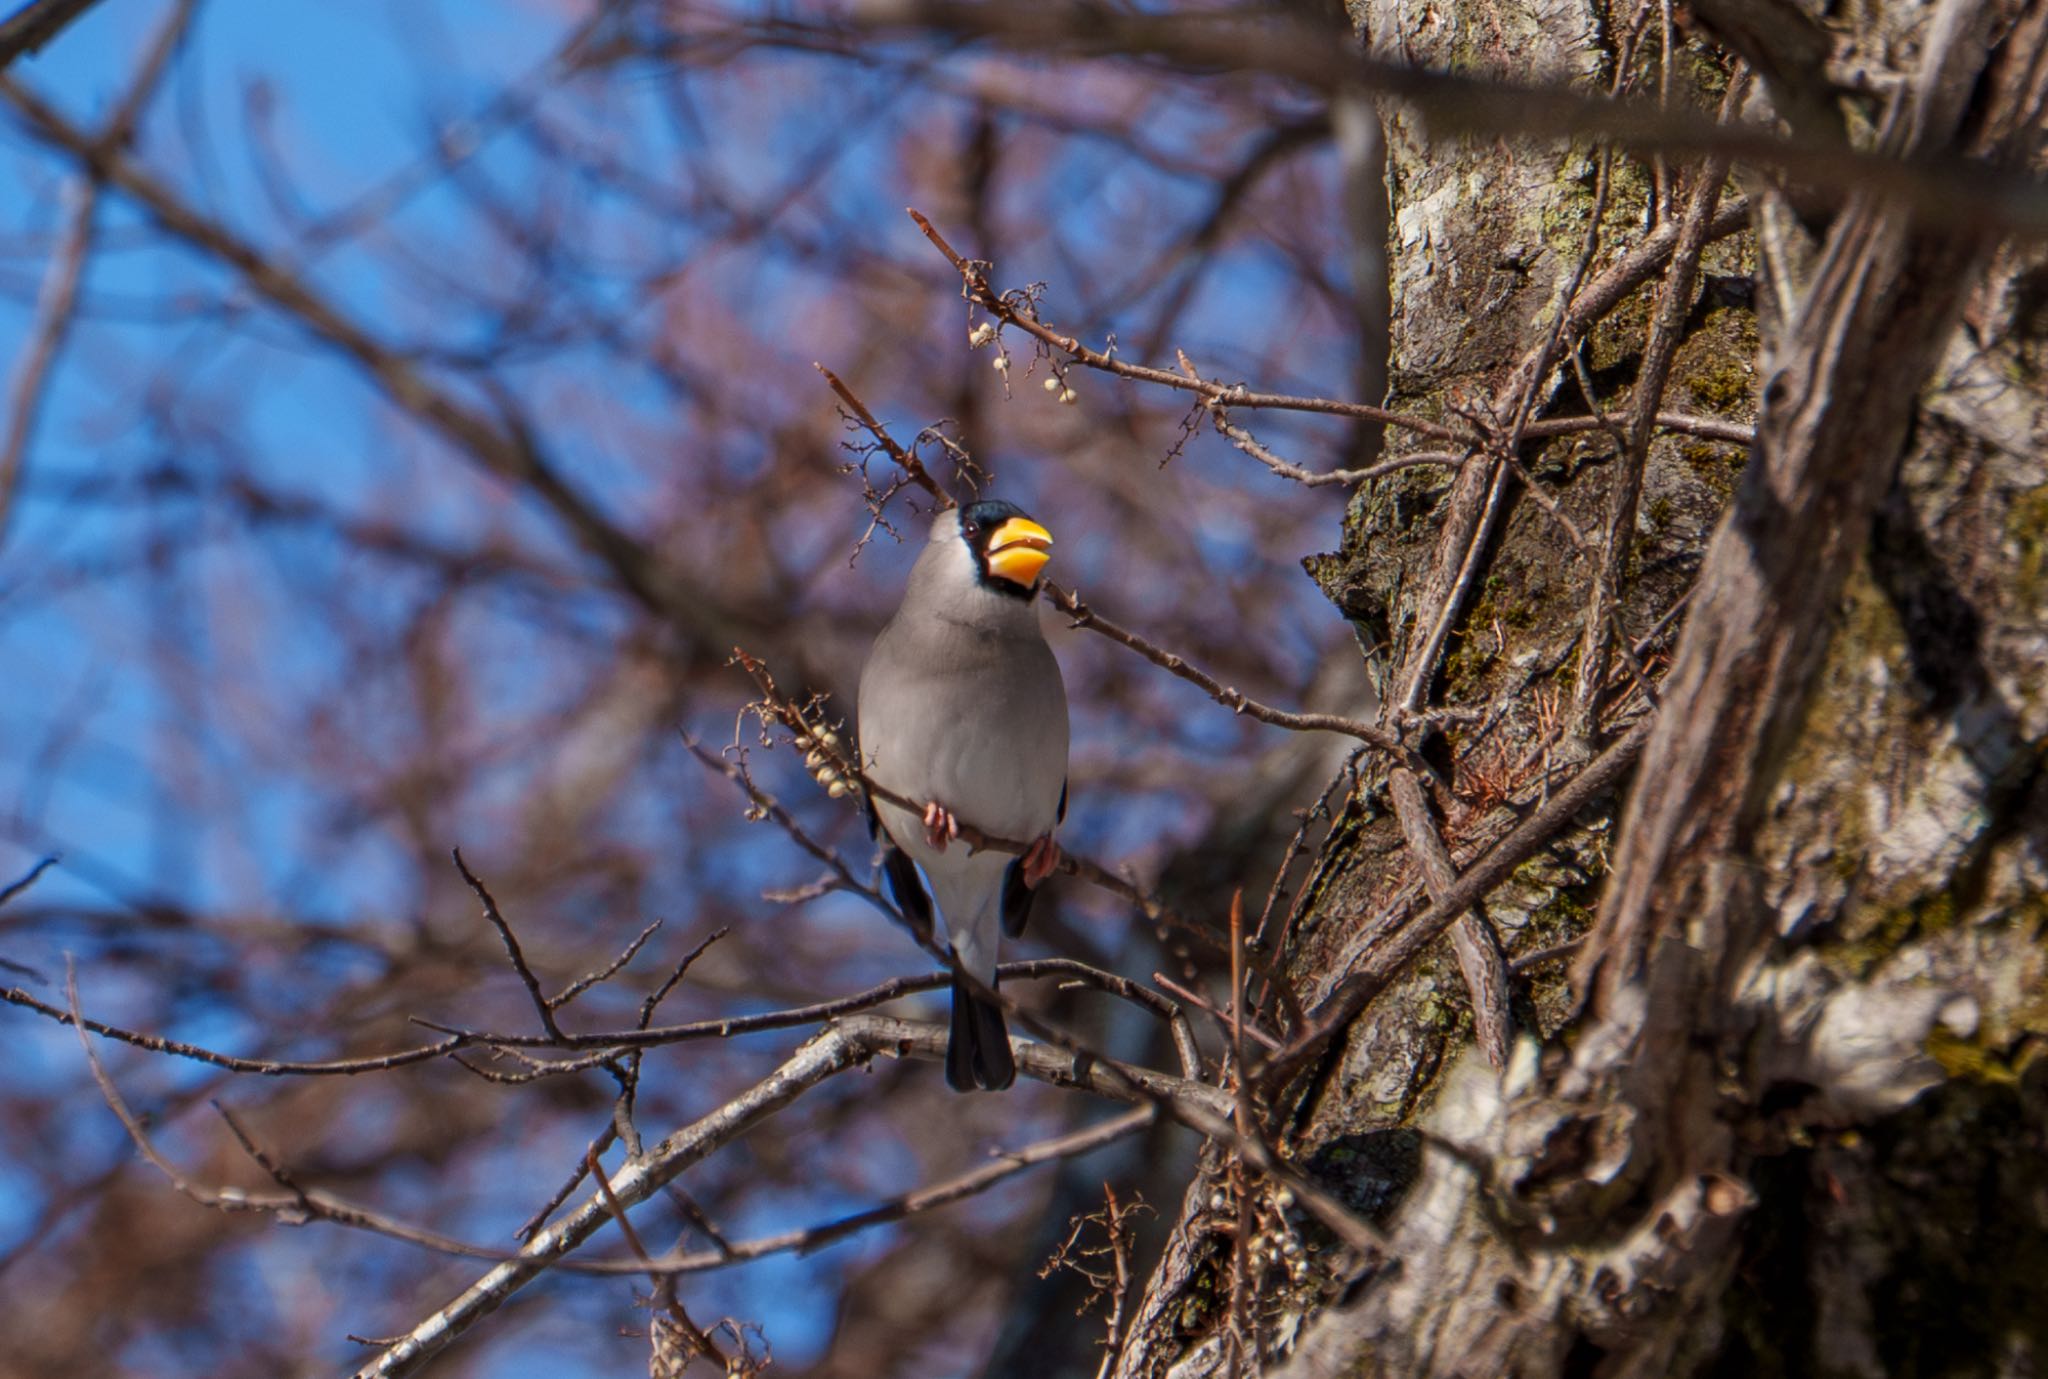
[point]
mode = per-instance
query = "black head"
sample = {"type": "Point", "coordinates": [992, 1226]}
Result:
{"type": "Point", "coordinates": [1010, 550]}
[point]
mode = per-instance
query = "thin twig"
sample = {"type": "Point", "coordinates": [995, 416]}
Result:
{"type": "Point", "coordinates": [531, 1226]}
{"type": "Point", "coordinates": [1201, 1003]}
{"type": "Point", "coordinates": [57, 301]}
{"type": "Point", "coordinates": [907, 461]}
{"type": "Point", "coordinates": [699, 1218]}
{"type": "Point", "coordinates": [1244, 1343]}
{"type": "Point", "coordinates": [294, 1206]}
{"type": "Point", "coordinates": [1017, 312]}
{"type": "Point", "coordinates": [541, 1003]}
{"type": "Point", "coordinates": [1234, 700]}
{"type": "Point", "coordinates": [605, 973]}
{"type": "Point", "coordinates": [1674, 301]}
{"type": "Point", "coordinates": [269, 1067]}
{"type": "Point", "coordinates": [694, 1334]}
{"type": "Point", "coordinates": [55, 306]}
{"type": "Point", "coordinates": [1686, 423]}
{"type": "Point", "coordinates": [1475, 944]}
{"type": "Point", "coordinates": [1275, 943]}
{"type": "Point", "coordinates": [1006, 1163]}
{"type": "Point", "coordinates": [677, 973]}
{"type": "Point", "coordinates": [276, 1170]}
{"type": "Point", "coordinates": [894, 989]}
{"type": "Point", "coordinates": [26, 879]}
{"type": "Point", "coordinates": [35, 24]}
{"type": "Point", "coordinates": [1542, 955]}
{"type": "Point", "coordinates": [1307, 478]}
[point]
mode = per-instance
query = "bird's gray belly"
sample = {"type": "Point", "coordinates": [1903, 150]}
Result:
{"type": "Point", "coordinates": [986, 771]}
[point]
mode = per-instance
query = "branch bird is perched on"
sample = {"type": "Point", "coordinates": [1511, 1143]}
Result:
{"type": "Point", "coordinates": [962, 706]}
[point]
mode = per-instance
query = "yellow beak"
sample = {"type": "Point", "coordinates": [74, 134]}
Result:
{"type": "Point", "coordinates": [1018, 550]}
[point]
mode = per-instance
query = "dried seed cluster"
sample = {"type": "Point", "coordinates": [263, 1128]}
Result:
{"type": "Point", "coordinates": [1274, 1243]}
{"type": "Point", "coordinates": [822, 757]}
{"type": "Point", "coordinates": [986, 333]}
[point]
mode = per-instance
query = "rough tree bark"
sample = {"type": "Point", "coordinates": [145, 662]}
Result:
{"type": "Point", "coordinates": [1783, 1113]}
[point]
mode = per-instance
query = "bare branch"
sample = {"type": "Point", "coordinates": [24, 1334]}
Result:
{"type": "Point", "coordinates": [35, 24]}
{"type": "Point", "coordinates": [541, 1005]}
{"type": "Point", "coordinates": [1673, 302]}
{"type": "Point", "coordinates": [1020, 312]}
{"type": "Point", "coordinates": [1472, 938]}
{"type": "Point", "coordinates": [54, 306]}
{"type": "Point", "coordinates": [1201, 1003]}
{"type": "Point", "coordinates": [909, 463]}
{"type": "Point", "coordinates": [611, 1042]}
{"type": "Point", "coordinates": [1004, 1164]}
{"type": "Point", "coordinates": [26, 879]}
{"type": "Point", "coordinates": [269, 1067]}
{"type": "Point", "coordinates": [1308, 478]}
{"type": "Point", "coordinates": [697, 1342]}
{"type": "Point", "coordinates": [609, 970]}
{"type": "Point", "coordinates": [58, 298]}
{"type": "Point", "coordinates": [1234, 700]}
{"type": "Point", "coordinates": [294, 1205]}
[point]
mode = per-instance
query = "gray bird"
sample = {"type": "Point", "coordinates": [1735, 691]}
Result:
{"type": "Point", "coordinates": [962, 709]}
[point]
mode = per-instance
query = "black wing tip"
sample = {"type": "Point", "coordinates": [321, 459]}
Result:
{"type": "Point", "coordinates": [907, 889]}
{"type": "Point", "coordinates": [1017, 896]}
{"type": "Point", "coordinates": [978, 1056]}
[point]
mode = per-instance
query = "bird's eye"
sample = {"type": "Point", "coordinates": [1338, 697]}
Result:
{"type": "Point", "coordinates": [973, 530]}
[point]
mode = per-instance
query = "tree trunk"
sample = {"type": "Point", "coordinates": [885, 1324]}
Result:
{"type": "Point", "coordinates": [1781, 1113]}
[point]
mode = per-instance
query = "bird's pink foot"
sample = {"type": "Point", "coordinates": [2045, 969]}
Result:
{"type": "Point", "coordinates": [1041, 860]}
{"type": "Point", "coordinates": [940, 827]}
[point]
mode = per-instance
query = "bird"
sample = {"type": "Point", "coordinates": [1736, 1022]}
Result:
{"type": "Point", "coordinates": [962, 709]}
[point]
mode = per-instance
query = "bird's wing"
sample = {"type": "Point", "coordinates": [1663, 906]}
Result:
{"type": "Point", "coordinates": [1016, 900]}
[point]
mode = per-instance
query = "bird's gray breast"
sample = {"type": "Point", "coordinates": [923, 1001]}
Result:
{"type": "Point", "coordinates": [972, 717]}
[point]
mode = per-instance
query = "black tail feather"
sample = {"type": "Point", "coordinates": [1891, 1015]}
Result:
{"type": "Point", "coordinates": [978, 1049]}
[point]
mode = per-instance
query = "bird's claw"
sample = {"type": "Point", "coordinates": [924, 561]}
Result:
{"type": "Point", "coordinates": [940, 827]}
{"type": "Point", "coordinates": [1041, 860]}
